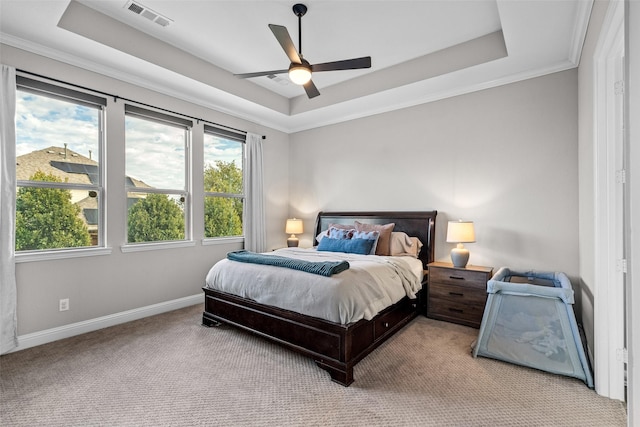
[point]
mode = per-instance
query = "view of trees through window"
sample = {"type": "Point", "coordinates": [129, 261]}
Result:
{"type": "Point", "coordinates": [155, 217]}
{"type": "Point", "coordinates": [58, 169]}
{"type": "Point", "coordinates": [156, 165]}
{"type": "Point", "coordinates": [36, 210]}
{"type": "Point", "coordinates": [223, 186]}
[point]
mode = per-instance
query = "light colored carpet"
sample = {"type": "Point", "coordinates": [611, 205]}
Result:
{"type": "Point", "coordinates": [168, 370]}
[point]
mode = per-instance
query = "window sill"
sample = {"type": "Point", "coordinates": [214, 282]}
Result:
{"type": "Point", "coordinates": [140, 247]}
{"type": "Point", "coordinates": [61, 254]}
{"type": "Point", "coordinates": [222, 240]}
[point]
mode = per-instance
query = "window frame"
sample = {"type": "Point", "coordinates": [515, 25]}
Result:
{"type": "Point", "coordinates": [84, 98]}
{"type": "Point", "coordinates": [241, 138]}
{"type": "Point", "coordinates": [147, 113]}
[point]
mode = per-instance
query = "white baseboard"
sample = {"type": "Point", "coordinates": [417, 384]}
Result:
{"type": "Point", "coordinates": [66, 331]}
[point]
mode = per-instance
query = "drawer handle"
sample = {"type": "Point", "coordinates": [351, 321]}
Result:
{"type": "Point", "coordinates": [456, 277]}
{"type": "Point", "coordinates": [385, 324]}
{"type": "Point", "coordinates": [456, 310]}
{"type": "Point", "coordinates": [456, 294]}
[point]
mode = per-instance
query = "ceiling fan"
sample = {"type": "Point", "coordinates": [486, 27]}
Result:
{"type": "Point", "coordinates": [300, 69]}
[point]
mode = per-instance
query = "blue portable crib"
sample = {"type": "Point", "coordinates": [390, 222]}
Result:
{"type": "Point", "coordinates": [528, 320]}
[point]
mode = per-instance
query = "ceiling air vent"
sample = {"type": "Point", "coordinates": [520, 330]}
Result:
{"type": "Point", "coordinates": [142, 10]}
{"type": "Point", "coordinates": [278, 79]}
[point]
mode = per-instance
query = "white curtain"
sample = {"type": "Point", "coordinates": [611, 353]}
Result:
{"type": "Point", "coordinates": [255, 236]}
{"type": "Point", "coordinates": [8, 317]}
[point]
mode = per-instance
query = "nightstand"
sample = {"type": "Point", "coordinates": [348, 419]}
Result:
{"type": "Point", "coordinates": [457, 295]}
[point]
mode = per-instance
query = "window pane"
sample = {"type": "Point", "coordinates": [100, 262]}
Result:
{"type": "Point", "coordinates": [53, 218]}
{"type": "Point", "coordinates": [56, 138]}
{"type": "Point", "coordinates": [222, 165]}
{"type": "Point", "coordinates": [155, 217]}
{"type": "Point", "coordinates": [57, 143]}
{"type": "Point", "coordinates": [155, 153]}
{"type": "Point", "coordinates": [223, 174]}
{"type": "Point", "coordinates": [222, 216]}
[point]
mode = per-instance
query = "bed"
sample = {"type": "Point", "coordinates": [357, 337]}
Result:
{"type": "Point", "coordinates": [335, 346]}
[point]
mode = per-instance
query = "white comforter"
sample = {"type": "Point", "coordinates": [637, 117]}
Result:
{"type": "Point", "coordinates": [371, 284]}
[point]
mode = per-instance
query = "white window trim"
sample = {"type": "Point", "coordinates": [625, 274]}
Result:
{"type": "Point", "coordinates": [47, 255]}
{"type": "Point", "coordinates": [222, 240]}
{"type": "Point", "coordinates": [152, 246]}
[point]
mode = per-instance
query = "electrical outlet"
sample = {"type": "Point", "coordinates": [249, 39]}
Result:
{"type": "Point", "coordinates": [64, 304]}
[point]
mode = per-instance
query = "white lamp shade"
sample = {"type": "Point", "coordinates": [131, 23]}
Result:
{"type": "Point", "coordinates": [460, 232]}
{"type": "Point", "coordinates": [294, 226]}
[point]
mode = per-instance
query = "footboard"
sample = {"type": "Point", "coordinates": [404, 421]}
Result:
{"type": "Point", "coordinates": [334, 347]}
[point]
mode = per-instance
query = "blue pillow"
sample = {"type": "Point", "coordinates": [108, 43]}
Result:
{"type": "Point", "coordinates": [369, 235]}
{"type": "Point", "coordinates": [350, 246]}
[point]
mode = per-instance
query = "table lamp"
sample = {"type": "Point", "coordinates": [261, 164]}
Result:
{"type": "Point", "coordinates": [294, 226]}
{"type": "Point", "coordinates": [460, 232]}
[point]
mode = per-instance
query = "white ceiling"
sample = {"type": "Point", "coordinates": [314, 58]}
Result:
{"type": "Point", "coordinates": [421, 50]}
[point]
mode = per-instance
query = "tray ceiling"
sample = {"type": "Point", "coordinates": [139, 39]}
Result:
{"type": "Point", "coordinates": [421, 50]}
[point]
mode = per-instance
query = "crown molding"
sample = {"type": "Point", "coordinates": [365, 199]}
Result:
{"type": "Point", "coordinates": [378, 103]}
{"type": "Point", "coordinates": [580, 26]}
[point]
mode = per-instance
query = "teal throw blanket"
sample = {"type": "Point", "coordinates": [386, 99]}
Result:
{"type": "Point", "coordinates": [323, 268]}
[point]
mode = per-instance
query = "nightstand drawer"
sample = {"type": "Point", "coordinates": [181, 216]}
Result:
{"type": "Point", "coordinates": [456, 311]}
{"type": "Point", "coordinates": [458, 294]}
{"type": "Point", "coordinates": [469, 278]}
{"type": "Point", "coordinates": [457, 304]}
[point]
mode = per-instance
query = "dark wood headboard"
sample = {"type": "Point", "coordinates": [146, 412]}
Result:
{"type": "Point", "coordinates": [415, 224]}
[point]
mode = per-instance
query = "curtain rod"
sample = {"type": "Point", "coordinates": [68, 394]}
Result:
{"type": "Point", "coordinates": [116, 97]}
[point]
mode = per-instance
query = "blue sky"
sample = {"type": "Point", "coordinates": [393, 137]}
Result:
{"type": "Point", "coordinates": [37, 127]}
{"type": "Point", "coordinates": [154, 153]}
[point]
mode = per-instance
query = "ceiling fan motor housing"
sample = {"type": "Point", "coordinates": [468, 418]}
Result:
{"type": "Point", "coordinates": [299, 9]}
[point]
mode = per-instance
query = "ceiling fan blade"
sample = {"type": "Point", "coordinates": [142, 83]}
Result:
{"type": "Point", "coordinates": [260, 73]}
{"type": "Point", "coordinates": [311, 89]}
{"type": "Point", "coordinates": [347, 64]}
{"type": "Point", "coordinates": [282, 35]}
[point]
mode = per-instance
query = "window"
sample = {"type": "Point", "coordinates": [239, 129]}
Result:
{"type": "Point", "coordinates": [223, 182]}
{"type": "Point", "coordinates": [157, 168]}
{"type": "Point", "coordinates": [59, 145]}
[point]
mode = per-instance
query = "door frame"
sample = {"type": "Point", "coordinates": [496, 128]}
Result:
{"type": "Point", "coordinates": [609, 295]}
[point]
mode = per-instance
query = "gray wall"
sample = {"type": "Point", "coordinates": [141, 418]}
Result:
{"type": "Point", "coordinates": [103, 285]}
{"type": "Point", "coordinates": [506, 158]}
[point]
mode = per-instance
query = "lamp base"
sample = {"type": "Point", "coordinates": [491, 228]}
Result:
{"type": "Point", "coordinates": [459, 256]}
{"type": "Point", "coordinates": [292, 242]}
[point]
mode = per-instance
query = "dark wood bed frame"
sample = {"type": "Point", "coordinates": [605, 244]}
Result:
{"type": "Point", "coordinates": [333, 346]}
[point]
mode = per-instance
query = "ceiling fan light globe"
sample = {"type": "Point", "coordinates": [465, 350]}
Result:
{"type": "Point", "coordinates": [299, 74]}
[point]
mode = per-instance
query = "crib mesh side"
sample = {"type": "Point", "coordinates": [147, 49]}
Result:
{"type": "Point", "coordinates": [538, 331]}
